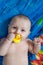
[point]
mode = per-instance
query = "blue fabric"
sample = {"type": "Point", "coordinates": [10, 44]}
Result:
{"type": "Point", "coordinates": [31, 8]}
{"type": "Point", "coordinates": [1, 59]}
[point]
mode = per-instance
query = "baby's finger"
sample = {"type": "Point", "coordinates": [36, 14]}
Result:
{"type": "Point", "coordinates": [35, 39]}
{"type": "Point", "coordinates": [11, 36]}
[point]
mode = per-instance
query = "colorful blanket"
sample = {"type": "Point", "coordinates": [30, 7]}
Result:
{"type": "Point", "coordinates": [30, 8]}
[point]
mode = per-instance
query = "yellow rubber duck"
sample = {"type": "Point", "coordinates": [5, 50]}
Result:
{"type": "Point", "coordinates": [17, 38]}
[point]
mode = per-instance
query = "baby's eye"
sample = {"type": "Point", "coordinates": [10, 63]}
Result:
{"type": "Point", "coordinates": [23, 30]}
{"type": "Point", "coordinates": [15, 27]}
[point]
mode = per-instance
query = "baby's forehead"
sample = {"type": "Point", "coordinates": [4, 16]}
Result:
{"type": "Point", "coordinates": [21, 21]}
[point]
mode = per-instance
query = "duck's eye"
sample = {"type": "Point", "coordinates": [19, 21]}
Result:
{"type": "Point", "coordinates": [22, 30]}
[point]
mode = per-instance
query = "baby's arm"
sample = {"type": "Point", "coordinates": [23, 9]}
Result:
{"type": "Point", "coordinates": [4, 46]}
{"type": "Point", "coordinates": [34, 46]}
{"type": "Point", "coordinates": [30, 46]}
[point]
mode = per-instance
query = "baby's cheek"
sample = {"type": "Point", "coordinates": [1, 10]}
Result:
{"type": "Point", "coordinates": [23, 34]}
{"type": "Point", "coordinates": [11, 30]}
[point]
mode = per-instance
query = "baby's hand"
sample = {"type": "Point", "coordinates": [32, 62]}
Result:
{"type": "Point", "coordinates": [10, 36]}
{"type": "Point", "coordinates": [37, 45]}
{"type": "Point", "coordinates": [37, 40]}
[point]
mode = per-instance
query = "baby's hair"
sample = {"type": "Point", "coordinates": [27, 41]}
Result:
{"type": "Point", "coordinates": [21, 16]}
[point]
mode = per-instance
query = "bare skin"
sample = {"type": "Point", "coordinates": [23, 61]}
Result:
{"type": "Point", "coordinates": [17, 54]}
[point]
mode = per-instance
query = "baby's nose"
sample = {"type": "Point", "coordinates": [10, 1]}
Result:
{"type": "Point", "coordinates": [18, 31]}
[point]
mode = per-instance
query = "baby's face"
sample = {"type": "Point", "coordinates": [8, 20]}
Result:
{"type": "Point", "coordinates": [20, 26]}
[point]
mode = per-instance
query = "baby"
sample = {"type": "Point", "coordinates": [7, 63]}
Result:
{"type": "Point", "coordinates": [17, 54]}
